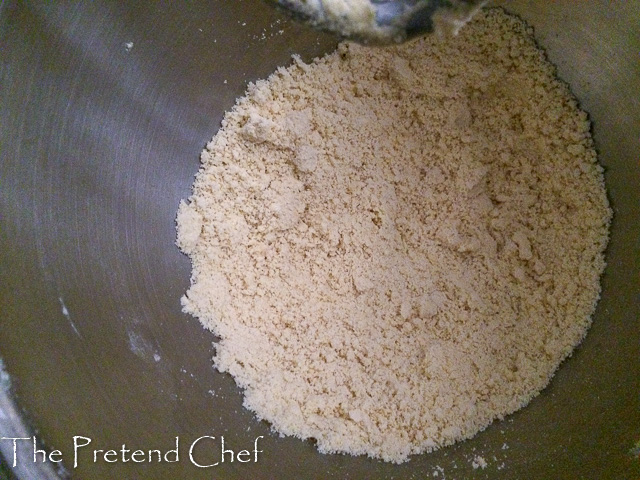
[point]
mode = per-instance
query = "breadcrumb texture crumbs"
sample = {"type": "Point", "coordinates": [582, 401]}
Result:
{"type": "Point", "coordinates": [398, 246]}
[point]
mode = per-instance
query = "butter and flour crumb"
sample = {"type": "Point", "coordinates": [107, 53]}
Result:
{"type": "Point", "coordinates": [398, 246]}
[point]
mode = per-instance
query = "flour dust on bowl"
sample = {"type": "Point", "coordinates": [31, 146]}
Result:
{"type": "Point", "coordinates": [402, 176]}
{"type": "Point", "coordinates": [398, 246]}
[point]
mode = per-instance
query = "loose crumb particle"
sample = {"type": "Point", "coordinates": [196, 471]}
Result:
{"type": "Point", "coordinates": [398, 246]}
{"type": "Point", "coordinates": [479, 462]}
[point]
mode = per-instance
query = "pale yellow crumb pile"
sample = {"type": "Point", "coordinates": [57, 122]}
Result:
{"type": "Point", "coordinates": [398, 246]}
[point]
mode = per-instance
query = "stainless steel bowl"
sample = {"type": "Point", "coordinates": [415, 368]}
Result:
{"type": "Point", "coordinates": [105, 107]}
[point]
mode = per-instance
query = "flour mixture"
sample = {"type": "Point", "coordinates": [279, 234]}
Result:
{"type": "Point", "coordinates": [398, 246]}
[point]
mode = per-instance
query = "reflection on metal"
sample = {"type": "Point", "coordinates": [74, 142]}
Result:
{"type": "Point", "coordinates": [13, 425]}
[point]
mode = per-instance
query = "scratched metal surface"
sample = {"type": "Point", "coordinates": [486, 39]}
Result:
{"type": "Point", "coordinates": [104, 108]}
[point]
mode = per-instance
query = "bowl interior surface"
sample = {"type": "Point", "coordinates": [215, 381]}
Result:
{"type": "Point", "coordinates": [105, 107]}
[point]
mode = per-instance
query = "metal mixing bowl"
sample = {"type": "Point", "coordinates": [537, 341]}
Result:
{"type": "Point", "coordinates": [105, 107]}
